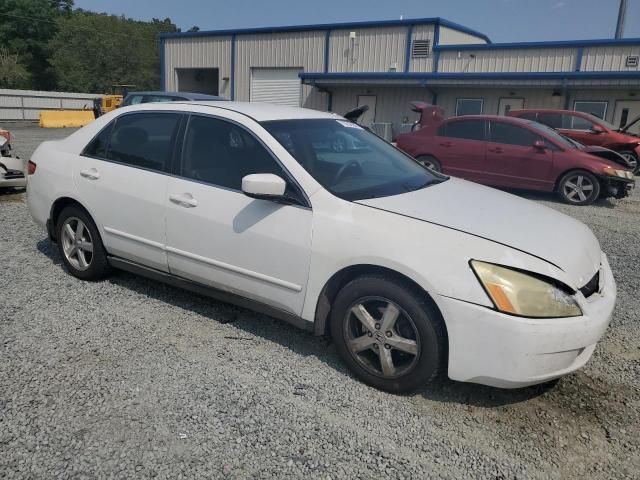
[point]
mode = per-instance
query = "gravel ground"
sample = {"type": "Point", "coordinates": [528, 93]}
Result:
{"type": "Point", "coordinates": [128, 378]}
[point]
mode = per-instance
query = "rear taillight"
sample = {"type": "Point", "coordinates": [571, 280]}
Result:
{"type": "Point", "coordinates": [31, 167]}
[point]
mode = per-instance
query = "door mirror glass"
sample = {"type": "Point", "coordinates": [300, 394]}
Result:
{"type": "Point", "coordinates": [539, 145]}
{"type": "Point", "coordinates": [265, 186]}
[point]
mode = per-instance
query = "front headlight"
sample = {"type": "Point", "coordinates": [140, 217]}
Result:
{"type": "Point", "coordinates": [525, 295]}
{"type": "Point", "coordinates": [612, 172]}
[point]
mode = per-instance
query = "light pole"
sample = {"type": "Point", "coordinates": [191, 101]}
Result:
{"type": "Point", "coordinates": [622, 12]}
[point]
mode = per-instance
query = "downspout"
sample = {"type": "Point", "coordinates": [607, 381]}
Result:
{"type": "Point", "coordinates": [163, 73]}
{"type": "Point", "coordinates": [233, 67]}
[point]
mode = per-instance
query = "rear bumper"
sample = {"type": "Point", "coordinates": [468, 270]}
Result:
{"type": "Point", "coordinates": [503, 351]}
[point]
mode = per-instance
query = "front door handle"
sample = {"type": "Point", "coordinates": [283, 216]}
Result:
{"type": "Point", "coordinates": [90, 174]}
{"type": "Point", "coordinates": [446, 144]}
{"type": "Point", "coordinates": [496, 150]}
{"type": "Point", "coordinates": [184, 200]}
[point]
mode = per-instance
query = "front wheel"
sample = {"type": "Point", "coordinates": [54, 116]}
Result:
{"type": "Point", "coordinates": [632, 158]}
{"type": "Point", "coordinates": [579, 188]}
{"type": "Point", "coordinates": [430, 162]}
{"type": "Point", "coordinates": [388, 334]}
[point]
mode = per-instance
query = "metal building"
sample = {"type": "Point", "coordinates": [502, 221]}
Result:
{"type": "Point", "coordinates": [388, 64]}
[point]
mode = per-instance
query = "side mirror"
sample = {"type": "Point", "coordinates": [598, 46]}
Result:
{"type": "Point", "coordinates": [265, 186]}
{"type": "Point", "coordinates": [539, 145]}
{"type": "Point", "coordinates": [597, 129]}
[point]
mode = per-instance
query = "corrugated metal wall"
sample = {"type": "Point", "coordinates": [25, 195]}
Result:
{"type": "Point", "coordinates": [448, 36]}
{"type": "Point", "coordinates": [373, 50]}
{"type": "Point", "coordinates": [512, 60]}
{"type": "Point", "coordinates": [533, 98]}
{"type": "Point", "coordinates": [609, 58]}
{"type": "Point", "coordinates": [303, 50]}
{"type": "Point", "coordinates": [422, 32]}
{"type": "Point", "coordinates": [198, 52]}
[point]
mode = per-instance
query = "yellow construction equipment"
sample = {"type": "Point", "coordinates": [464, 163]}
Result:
{"type": "Point", "coordinates": [79, 118]}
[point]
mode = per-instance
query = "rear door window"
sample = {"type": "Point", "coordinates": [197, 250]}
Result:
{"type": "Point", "coordinates": [143, 140]}
{"type": "Point", "coordinates": [553, 120]}
{"type": "Point", "coordinates": [467, 129]}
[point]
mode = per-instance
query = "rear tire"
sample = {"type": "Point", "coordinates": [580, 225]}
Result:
{"type": "Point", "coordinates": [578, 187]}
{"type": "Point", "coordinates": [430, 162]}
{"type": "Point", "coordinates": [80, 245]}
{"type": "Point", "coordinates": [631, 157]}
{"type": "Point", "coordinates": [389, 335]}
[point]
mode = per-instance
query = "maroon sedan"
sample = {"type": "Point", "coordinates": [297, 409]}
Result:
{"type": "Point", "coordinates": [589, 130]}
{"type": "Point", "coordinates": [515, 153]}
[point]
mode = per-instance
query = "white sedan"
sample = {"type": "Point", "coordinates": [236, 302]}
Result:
{"type": "Point", "coordinates": [410, 272]}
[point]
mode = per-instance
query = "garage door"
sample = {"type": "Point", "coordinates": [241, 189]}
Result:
{"type": "Point", "coordinates": [276, 85]}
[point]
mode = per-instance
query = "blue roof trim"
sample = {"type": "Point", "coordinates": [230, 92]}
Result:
{"type": "Point", "coordinates": [469, 76]}
{"type": "Point", "coordinates": [330, 26]}
{"type": "Point", "coordinates": [553, 44]}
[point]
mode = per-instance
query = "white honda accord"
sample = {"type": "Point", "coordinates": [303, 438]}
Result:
{"type": "Point", "coordinates": [410, 272]}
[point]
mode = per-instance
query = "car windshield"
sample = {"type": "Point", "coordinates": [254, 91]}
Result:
{"type": "Point", "coordinates": [554, 135]}
{"type": "Point", "coordinates": [349, 161]}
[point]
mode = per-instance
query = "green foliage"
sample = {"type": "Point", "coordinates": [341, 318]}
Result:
{"type": "Point", "coordinates": [91, 52]}
{"type": "Point", "coordinates": [48, 45]}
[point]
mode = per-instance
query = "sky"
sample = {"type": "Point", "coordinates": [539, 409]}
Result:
{"type": "Point", "coordinates": [501, 20]}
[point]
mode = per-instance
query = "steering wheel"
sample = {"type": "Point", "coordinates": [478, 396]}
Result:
{"type": "Point", "coordinates": [343, 169]}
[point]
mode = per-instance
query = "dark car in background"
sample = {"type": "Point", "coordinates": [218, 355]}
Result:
{"type": "Point", "coordinates": [134, 98]}
{"type": "Point", "coordinates": [589, 130]}
{"type": "Point", "coordinates": [514, 153]}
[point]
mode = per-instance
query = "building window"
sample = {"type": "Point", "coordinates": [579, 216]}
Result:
{"type": "Point", "coordinates": [469, 106]}
{"type": "Point", "coordinates": [597, 109]}
{"type": "Point", "coordinates": [420, 48]}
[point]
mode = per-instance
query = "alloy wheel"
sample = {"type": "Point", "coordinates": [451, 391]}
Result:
{"type": "Point", "coordinates": [631, 159]}
{"type": "Point", "coordinates": [382, 337]}
{"type": "Point", "coordinates": [77, 244]}
{"type": "Point", "coordinates": [578, 188]}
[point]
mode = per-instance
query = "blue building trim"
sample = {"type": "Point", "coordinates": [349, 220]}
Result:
{"type": "Point", "coordinates": [327, 39]}
{"type": "Point", "coordinates": [469, 76]}
{"type": "Point", "coordinates": [232, 93]}
{"type": "Point", "coordinates": [579, 54]}
{"type": "Point", "coordinates": [436, 52]}
{"type": "Point", "coordinates": [553, 44]}
{"type": "Point", "coordinates": [331, 26]}
{"type": "Point", "coordinates": [163, 73]}
{"type": "Point", "coordinates": [407, 55]}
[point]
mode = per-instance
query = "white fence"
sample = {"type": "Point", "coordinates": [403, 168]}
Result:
{"type": "Point", "coordinates": [27, 104]}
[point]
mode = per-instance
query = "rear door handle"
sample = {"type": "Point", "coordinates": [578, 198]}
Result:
{"type": "Point", "coordinates": [496, 150]}
{"type": "Point", "coordinates": [446, 144]}
{"type": "Point", "coordinates": [90, 174]}
{"type": "Point", "coordinates": [184, 200]}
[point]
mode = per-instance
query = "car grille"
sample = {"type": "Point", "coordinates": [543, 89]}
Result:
{"type": "Point", "coordinates": [592, 286]}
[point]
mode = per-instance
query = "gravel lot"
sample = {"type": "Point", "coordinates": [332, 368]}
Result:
{"type": "Point", "coordinates": [127, 378]}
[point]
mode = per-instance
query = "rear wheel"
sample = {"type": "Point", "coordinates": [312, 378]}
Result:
{"type": "Point", "coordinates": [80, 245]}
{"type": "Point", "coordinates": [579, 188]}
{"type": "Point", "coordinates": [430, 162]}
{"type": "Point", "coordinates": [631, 157]}
{"type": "Point", "coordinates": [388, 334]}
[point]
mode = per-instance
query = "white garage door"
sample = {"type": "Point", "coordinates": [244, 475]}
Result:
{"type": "Point", "coordinates": [276, 85]}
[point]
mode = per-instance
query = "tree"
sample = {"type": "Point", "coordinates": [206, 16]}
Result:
{"type": "Point", "coordinates": [91, 52]}
{"type": "Point", "coordinates": [195, 28]}
{"type": "Point", "coordinates": [12, 73]}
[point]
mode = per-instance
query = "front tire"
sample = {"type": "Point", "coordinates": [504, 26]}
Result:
{"type": "Point", "coordinates": [631, 157]}
{"type": "Point", "coordinates": [389, 335]}
{"type": "Point", "coordinates": [579, 187]}
{"type": "Point", "coordinates": [430, 162]}
{"type": "Point", "coordinates": [80, 245]}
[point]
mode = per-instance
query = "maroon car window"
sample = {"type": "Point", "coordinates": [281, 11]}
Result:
{"type": "Point", "coordinates": [467, 129]}
{"type": "Point", "coordinates": [553, 120]}
{"type": "Point", "coordinates": [528, 116]}
{"type": "Point", "coordinates": [510, 134]}
{"type": "Point", "coordinates": [573, 122]}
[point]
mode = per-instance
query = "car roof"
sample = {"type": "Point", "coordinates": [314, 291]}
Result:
{"type": "Point", "coordinates": [500, 118]}
{"type": "Point", "coordinates": [187, 95]}
{"type": "Point", "coordinates": [543, 110]}
{"type": "Point", "coordinates": [263, 112]}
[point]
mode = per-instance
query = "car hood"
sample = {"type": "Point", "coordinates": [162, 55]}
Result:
{"type": "Point", "coordinates": [503, 218]}
{"type": "Point", "coordinates": [614, 159]}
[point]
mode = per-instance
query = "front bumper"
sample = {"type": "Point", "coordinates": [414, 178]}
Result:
{"type": "Point", "coordinates": [617, 187]}
{"type": "Point", "coordinates": [504, 351]}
